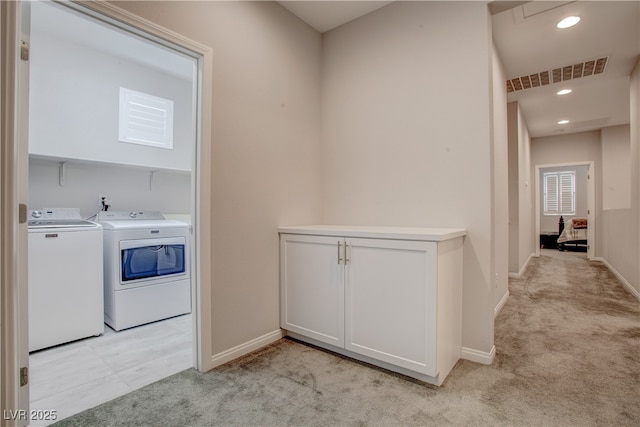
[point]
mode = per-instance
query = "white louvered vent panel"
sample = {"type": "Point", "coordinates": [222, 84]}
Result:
{"type": "Point", "coordinates": [145, 119]}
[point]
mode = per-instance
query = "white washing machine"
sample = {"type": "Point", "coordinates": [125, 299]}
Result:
{"type": "Point", "coordinates": [146, 268]}
{"type": "Point", "coordinates": [65, 277]}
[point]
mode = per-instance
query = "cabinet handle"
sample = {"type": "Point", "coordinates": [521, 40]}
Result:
{"type": "Point", "coordinates": [346, 254]}
{"type": "Point", "coordinates": [339, 252]}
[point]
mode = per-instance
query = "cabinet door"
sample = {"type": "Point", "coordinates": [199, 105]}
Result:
{"type": "Point", "coordinates": [391, 302]}
{"type": "Point", "coordinates": [312, 287]}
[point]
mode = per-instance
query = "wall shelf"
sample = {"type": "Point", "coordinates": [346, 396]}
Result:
{"type": "Point", "coordinates": [63, 163]}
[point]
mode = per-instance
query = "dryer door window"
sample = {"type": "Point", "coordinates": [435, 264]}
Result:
{"type": "Point", "coordinates": [153, 259]}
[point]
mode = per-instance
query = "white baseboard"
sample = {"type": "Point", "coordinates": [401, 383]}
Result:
{"type": "Point", "coordinates": [246, 348]}
{"type": "Point", "coordinates": [633, 291]}
{"type": "Point", "coordinates": [524, 266]}
{"type": "Point", "coordinates": [479, 356]}
{"type": "Point", "coordinates": [501, 303]}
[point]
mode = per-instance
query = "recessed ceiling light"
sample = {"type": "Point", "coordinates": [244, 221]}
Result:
{"type": "Point", "coordinates": [563, 92]}
{"type": "Point", "coordinates": [569, 21]}
{"type": "Point", "coordinates": [563, 122]}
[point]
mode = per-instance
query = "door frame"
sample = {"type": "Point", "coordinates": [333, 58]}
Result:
{"type": "Point", "coordinates": [14, 332]}
{"type": "Point", "coordinates": [591, 203]}
{"type": "Point", "coordinates": [14, 353]}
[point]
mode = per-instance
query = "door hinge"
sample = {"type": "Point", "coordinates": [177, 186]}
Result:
{"type": "Point", "coordinates": [24, 376]}
{"type": "Point", "coordinates": [22, 213]}
{"type": "Point", "coordinates": [24, 50]}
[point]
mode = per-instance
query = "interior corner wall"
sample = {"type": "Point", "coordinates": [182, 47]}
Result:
{"type": "Point", "coordinates": [619, 246]}
{"type": "Point", "coordinates": [521, 223]}
{"type": "Point", "coordinates": [634, 248]}
{"type": "Point", "coordinates": [526, 226]}
{"type": "Point", "coordinates": [574, 148]}
{"type": "Point", "coordinates": [265, 149]}
{"type": "Point", "coordinates": [500, 184]}
{"type": "Point", "coordinates": [406, 119]}
{"type": "Point", "coordinates": [514, 187]}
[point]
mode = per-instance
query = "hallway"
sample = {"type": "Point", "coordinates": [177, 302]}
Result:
{"type": "Point", "coordinates": [568, 353]}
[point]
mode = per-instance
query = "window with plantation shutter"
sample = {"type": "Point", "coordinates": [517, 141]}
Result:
{"type": "Point", "coordinates": [560, 193]}
{"type": "Point", "coordinates": [145, 119]}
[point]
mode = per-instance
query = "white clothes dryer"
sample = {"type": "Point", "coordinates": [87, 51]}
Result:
{"type": "Point", "coordinates": [146, 268]}
{"type": "Point", "coordinates": [65, 277]}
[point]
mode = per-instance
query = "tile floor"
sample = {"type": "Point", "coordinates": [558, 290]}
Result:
{"type": "Point", "coordinates": [80, 375]}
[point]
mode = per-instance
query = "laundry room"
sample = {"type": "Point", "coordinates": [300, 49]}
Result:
{"type": "Point", "coordinates": [111, 148]}
{"type": "Point", "coordinates": [78, 72]}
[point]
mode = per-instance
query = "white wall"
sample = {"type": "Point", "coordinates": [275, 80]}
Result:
{"type": "Point", "coordinates": [634, 249]}
{"type": "Point", "coordinates": [621, 227]}
{"type": "Point", "coordinates": [128, 188]}
{"type": "Point", "coordinates": [514, 187]}
{"type": "Point", "coordinates": [400, 112]}
{"type": "Point", "coordinates": [500, 184]}
{"type": "Point", "coordinates": [616, 168]}
{"type": "Point", "coordinates": [526, 226]}
{"type": "Point", "coordinates": [74, 105]}
{"type": "Point", "coordinates": [407, 121]}
{"type": "Point", "coordinates": [574, 148]}
{"type": "Point", "coordinates": [521, 225]}
{"type": "Point", "coordinates": [265, 149]}
{"type": "Point", "coordinates": [549, 223]}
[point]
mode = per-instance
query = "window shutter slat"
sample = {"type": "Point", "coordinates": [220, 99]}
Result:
{"type": "Point", "coordinates": [567, 191]}
{"type": "Point", "coordinates": [551, 193]}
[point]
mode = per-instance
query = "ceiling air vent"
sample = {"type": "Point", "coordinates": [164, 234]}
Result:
{"type": "Point", "coordinates": [557, 75]}
{"type": "Point", "coordinates": [593, 123]}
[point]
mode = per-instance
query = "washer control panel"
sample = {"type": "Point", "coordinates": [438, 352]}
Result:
{"type": "Point", "coordinates": [55, 214]}
{"type": "Point", "coordinates": [128, 216]}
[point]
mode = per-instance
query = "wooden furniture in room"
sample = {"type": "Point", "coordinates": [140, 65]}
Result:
{"type": "Point", "coordinates": [549, 240]}
{"type": "Point", "coordinates": [573, 234]}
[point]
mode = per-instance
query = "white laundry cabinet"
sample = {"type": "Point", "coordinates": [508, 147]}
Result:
{"type": "Point", "coordinates": [389, 296]}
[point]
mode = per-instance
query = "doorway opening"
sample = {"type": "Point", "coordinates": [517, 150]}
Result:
{"type": "Point", "coordinates": [78, 59]}
{"type": "Point", "coordinates": [549, 209]}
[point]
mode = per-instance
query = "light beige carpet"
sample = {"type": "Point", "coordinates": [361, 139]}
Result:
{"type": "Point", "coordinates": [568, 354]}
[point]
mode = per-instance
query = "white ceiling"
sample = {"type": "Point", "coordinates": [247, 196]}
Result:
{"type": "Point", "coordinates": [528, 42]}
{"type": "Point", "coordinates": [327, 15]}
{"type": "Point", "coordinates": [524, 33]}
{"type": "Point", "coordinates": [50, 19]}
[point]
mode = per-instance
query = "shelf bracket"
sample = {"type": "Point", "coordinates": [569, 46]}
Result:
{"type": "Point", "coordinates": [151, 176]}
{"type": "Point", "coordinates": [62, 173]}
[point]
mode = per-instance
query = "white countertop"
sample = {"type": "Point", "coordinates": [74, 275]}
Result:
{"type": "Point", "coordinates": [399, 233]}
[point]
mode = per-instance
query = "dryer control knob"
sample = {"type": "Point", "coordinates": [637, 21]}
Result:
{"type": "Point", "coordinates": [36, 214]}
{"type": "Point", "coordinates": [133, 214]}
